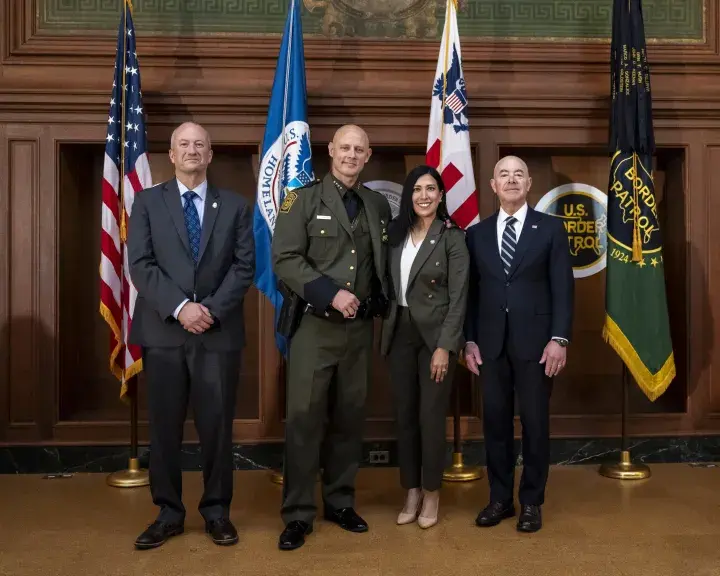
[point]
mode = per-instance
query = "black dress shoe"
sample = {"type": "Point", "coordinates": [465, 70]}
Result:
{"type": "Point", "coordinates": [222, 531]}
{"type": "Point", "coordinates": [347, 519]}
{"type": "Point", "coordinates": [494, 513]}
{"type": "Point", "coordinates": [294, 535]}
{"type": "Point", "coordinates": [157, 534]}
{"type": "Point", "coordinates": [530, 519]}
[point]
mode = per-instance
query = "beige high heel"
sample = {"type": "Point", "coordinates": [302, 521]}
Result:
{"type": "Point", "coordinates": [426, 522]}
{"type": "Point", "coordinates": [410, 517]}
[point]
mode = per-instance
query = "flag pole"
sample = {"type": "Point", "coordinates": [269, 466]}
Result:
{"type": "Point", "coordinates": [134, 476]}
{"type": "Point", "coordinates": [276, 476]}
{"type": "Point", "coordinates": [625, 469]}
{"type": "Point", "coordinates": [458, 471]}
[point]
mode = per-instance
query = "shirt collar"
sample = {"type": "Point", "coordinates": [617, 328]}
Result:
{"type": "Point", "coordinates": [200, 190]}
{"type": "Point", "coordinates": [520, 215]}
{"type": "Point", "coordinates": [342, 188]}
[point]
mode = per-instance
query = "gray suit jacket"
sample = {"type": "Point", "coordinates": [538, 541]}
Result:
{"type": "Point", "coordinates": [437, 289]}
{"type": "Point", "coordinates": [163, 271]}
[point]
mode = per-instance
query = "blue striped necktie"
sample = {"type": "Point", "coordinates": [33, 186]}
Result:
{"type": "Point", "coordinates": [508, 244]}
{"type": "Point", "coordinates": [192, 223]}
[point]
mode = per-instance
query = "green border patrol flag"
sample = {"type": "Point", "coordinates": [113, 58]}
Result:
{"type": "Point", "coordinates": [636, 321]}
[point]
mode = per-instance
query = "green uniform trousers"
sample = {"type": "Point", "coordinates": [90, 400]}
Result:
{"type": "Point", "coordinates": [329, 368]}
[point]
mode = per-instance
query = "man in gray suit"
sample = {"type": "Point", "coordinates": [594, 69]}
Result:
{"type": "Point", "coordinates": [192, 259]}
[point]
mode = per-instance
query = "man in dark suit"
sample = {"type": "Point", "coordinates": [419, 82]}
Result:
{"type": "Point", "coordinates": [518, 325]}
{"type": "Point", "coordinates": [192, 259]}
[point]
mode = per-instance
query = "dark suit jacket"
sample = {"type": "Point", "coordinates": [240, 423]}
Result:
{"type": "Point", "coordinates": [534, 302]}
{"type": "Point", "coordinates": [437, 289]}
{"type": "Point", "coordinates": [163, 271]}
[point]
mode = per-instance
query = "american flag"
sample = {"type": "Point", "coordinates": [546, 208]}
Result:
{"type": "Point", "coordinates": [448, 146]}
{"type": "Point", "coordinates": [125, 173]}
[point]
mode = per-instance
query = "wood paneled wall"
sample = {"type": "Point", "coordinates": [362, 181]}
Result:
{"type": "Point", "coordinates": [546, 101]}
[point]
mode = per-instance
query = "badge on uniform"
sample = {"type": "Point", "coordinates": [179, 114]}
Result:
{"type": "Point", "coordinates": [290, 198]}
{"type": "Point", "coordinates": [384, 238]}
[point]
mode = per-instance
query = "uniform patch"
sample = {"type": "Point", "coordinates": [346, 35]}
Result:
{"type": "Point", "coordinates": [290, 198]}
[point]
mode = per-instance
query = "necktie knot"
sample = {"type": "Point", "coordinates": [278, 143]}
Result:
{"type": "Point", "coordinates": [189, 195]}
{"type": "Point", "coordinates": [510, 221]}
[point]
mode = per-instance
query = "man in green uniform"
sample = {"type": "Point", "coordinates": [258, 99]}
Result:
{"type": "Point", "coordinates": [330, 248]}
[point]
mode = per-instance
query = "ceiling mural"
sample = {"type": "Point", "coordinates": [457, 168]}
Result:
{"type": "Point", "coordinates": [668, 21]}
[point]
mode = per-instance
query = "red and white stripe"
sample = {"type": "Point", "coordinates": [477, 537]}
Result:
{"type": "Point", "coordinates": [117, 293]}
{"type": "Point", "coordinates": [447, 151]}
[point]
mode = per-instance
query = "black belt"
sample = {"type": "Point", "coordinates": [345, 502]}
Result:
{"type": "Point", "coordinates": [363, 313]}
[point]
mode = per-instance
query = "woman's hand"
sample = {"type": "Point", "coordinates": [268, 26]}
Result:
{"type": "Point", "coordinates": [439, 364]}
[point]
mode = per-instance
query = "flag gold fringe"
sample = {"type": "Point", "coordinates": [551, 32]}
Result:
{"type": "Point", "coordinates": [107, 315]}
{"type": "Point", "coordinates": [652, 385]}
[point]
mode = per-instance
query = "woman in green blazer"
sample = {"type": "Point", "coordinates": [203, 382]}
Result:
{"type": "Point", "coordinates": [423, 334]}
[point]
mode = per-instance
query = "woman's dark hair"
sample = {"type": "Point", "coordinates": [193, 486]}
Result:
{"type": "Point", "coordinates": [406, 218]}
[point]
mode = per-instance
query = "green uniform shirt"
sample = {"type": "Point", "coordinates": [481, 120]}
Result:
{"type": "Point", "coordinates": [318, 251]}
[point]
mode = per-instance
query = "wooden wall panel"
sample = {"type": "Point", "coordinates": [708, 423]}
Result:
{"type": "Point", "coordinates": [4, 285]}
{"type": "Point", "coordinates": [547, 101]}
{"type": "Point", "coordinates": [712, 273]}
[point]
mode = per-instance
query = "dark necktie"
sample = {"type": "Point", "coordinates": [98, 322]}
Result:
{"type": "Point", "coordinates": [508, 244]}
{"type": "Point", "coordinates": [192, 223]}
{"type": "Point", "coordinates": [351, 204]}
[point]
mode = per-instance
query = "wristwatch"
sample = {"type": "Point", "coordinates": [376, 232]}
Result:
{"type": "Point", "coordinates": [562, 341]}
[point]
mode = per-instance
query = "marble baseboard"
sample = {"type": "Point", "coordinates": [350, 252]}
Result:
{"type": "Point", "coordinates": [105, 459]}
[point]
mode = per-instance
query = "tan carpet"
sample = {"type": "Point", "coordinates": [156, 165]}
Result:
{"type": "Point", "coordinates": [666, 526]}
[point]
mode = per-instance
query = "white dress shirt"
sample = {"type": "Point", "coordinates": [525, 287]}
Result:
{"type": "Point", "coordinates": [406, 261]}
{"type": "Point", "coordinates": [520, 216]}
{"type": "Point", "coordinates": [199, 201]}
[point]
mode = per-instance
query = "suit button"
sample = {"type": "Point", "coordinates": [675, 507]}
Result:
{"type": "Point", "coordinates": [432, 281]}
{"type": "Point", "coordinates": [507, 283]}
{"type": "Point", "coordinates": [352, 251]}
{"type": "Point", "coordinates": [347, 284]}
{"type": "Point", "coordinates": [352, 267]}
{"type": "Point", "coordinates": [322, 231]}
{"type": "Point", "coordinates": [429, 295]}
{"type": "Point", "coordinates": [507, 309]}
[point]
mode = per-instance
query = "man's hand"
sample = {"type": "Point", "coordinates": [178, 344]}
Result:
{"type": "Point", "coordinates": [439, 364]}
{"type": "Point", "coordinates": [472, 358]}
{"type": "Point", "coordinates": [346, 302]}
{"type": "Point", "coordinates": [554, 357]}
{"type": "Point", "coordinates": [195, 318]}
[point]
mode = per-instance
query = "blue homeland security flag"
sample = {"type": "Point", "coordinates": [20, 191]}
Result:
{"type": "Point", "coordinates": [286, 156]}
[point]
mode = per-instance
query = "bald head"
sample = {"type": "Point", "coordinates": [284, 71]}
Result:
{"type": "Point", "coordinates": [352, 130]}
{"type": "Point", "coordinates": [511, 182]}
{"type": "Point", "coordinates": [507, 161]}
{"type": "Point", "coordinates": [186, 127]}
{"type": "Point", "coordinates": [350, 151]}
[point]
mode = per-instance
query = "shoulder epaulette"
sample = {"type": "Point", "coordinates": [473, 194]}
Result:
{"type": "Point", "coordinates": [308, 185]}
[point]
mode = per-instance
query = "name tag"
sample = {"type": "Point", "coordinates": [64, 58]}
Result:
{"type": "Point", "coordinates": [323, 217]}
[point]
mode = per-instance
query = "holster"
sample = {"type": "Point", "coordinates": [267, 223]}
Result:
{"type": "Point", "coordinates": [291, 311]}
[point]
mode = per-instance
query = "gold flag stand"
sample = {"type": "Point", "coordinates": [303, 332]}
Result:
{"type": "Point", "coordinates": [625, 469]}
{"type": "Point", "coordinates": [134, 476]}
{"type": "Point", "coordinates": [458, 471]}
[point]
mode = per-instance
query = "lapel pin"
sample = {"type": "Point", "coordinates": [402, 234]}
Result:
{"type": "Point", "coordinates": [432, 241]}
{"type": "Point", "coordinates": [214, 204]}
{"type": "Point", "coordinates": [534, 225]}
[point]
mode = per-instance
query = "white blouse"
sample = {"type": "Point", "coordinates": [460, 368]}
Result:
{"type": "Point", "coordinates": [406, 261]}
